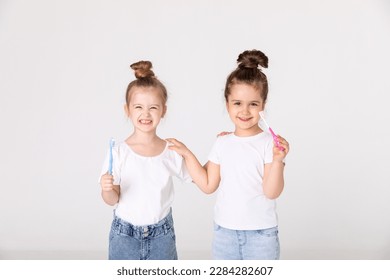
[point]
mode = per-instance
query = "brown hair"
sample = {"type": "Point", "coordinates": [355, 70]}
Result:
{"type": "Point", "coordinates": [247, 72]}
{"type": "Point", "coordinates": [145, 78]}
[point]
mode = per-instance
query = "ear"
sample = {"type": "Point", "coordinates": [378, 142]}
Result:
{"type": "Point", "coordinates": [263, 107]}
{"type": "Point", "coordinates": [164, 111]}
{"type": "Point", "coordinates": [126, 108]}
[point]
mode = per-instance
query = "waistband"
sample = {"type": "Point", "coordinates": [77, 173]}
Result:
{"type": "Point", "coordinates": [124, 227]}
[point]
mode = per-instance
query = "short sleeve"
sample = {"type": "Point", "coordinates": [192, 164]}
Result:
{"type": "Point", "coordinates": [180, 168]}
{"type": "Point", "coordinates": [214, 153]}
{"type": "Point", "coordinates": [268, 154]}
{"type": "Point", "coordinates": [115, 165]}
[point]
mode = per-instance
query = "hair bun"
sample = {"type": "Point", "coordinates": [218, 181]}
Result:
{"type": "Point", "coordinates": [252, 59]}
{"type": "Point", "coordinates": [142, 69]}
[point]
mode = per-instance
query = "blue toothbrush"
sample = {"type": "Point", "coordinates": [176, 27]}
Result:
{"type": "Point", "coordinates": [112, 143]}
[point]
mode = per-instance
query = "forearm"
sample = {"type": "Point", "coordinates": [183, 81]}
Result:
{"type": "Point", "coordinates": [197, 172]}
{"type": "Point", "coordinates": [274, 184]}
{"type": "Point", "coordinates": [206, 178]}
{"type": "Point", "coordinates": [110, 197]}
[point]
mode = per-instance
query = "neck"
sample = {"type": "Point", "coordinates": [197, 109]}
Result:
{"type": "Point", "coordinates": [247, 132]}
{"type": "Point", "coordinates": [144, 137]}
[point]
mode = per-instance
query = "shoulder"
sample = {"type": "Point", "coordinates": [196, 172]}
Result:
{"type": "Point", "coordinates": [171, 159]}
{"type": "Point", "coordinates": [120, 148]}
{"type": "Point", "coordinates": [171, 155]}
{"type": "Point", "coordinates": [228, 138]}
{"type": "Point", "coordinates": [266, 136]}
{"type": "Point", "coordinates": [266, 141]}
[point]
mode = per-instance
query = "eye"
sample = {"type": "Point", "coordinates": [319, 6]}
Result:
{"type": "Point", "coordinates": [254, 104]}
{"type": "Point", "coordinates": [155, 108]}
{"type": "Point", "coordinates": [237, 103]}
{"type": "Point", "coordinates": [138, 107]}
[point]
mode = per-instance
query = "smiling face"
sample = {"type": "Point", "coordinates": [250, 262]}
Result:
{"type": "Point", "coordinates": [243, 105]}
{"type": "Point", "coordinates": [146, 108]}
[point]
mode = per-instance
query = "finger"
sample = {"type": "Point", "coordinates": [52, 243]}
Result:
{"type": "Point", "coordinates": [107, 182]}
{"type": "Point", "coordinates": [108, 179]}
{"type": "Point", "coordinates": [223, 133]}
{"type": "Point", "coordinates": [286, 148]}
{"type": "Point", "coordinates": [282, 140]}
{"type": "Point", "coordinates": [173, 147]}
{"type": "Point", "coordinates": [172, 141]}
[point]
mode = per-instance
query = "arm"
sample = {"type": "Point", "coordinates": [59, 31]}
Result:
{"type": "Point", "coordinates": [205, 177]}
{"type": "Point", "coordinates": [273, 181]}
{"type": "Point", "coordinates": [110, 192]}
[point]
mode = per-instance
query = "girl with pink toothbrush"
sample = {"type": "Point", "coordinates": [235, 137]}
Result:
{"type": "Point", "coordinates": [245, 166]}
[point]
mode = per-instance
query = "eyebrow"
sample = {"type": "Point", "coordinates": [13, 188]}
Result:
{"type": "Point", "coordinates": [157, 105]}
{"type": "Point", "coordinates": [254, 101]}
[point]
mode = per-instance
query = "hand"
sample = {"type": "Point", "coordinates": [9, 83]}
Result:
{"type": "Point", "coordinates": [107, 182]}
{"type": "Point", "coordinates": [178, 147]}
{"type": "Point", "coordinates": [278, 154]}
{"type": "Point", "coordinates": [223, 133]}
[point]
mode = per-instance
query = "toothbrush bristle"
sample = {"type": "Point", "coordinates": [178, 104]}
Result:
{"type": "Point", "coordinates": [261, 113]}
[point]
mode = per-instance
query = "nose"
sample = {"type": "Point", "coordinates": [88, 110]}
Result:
{"type": "Point", "coordinates": [245, 110]}
{"type": "Point", "coordinates": [146, 111]}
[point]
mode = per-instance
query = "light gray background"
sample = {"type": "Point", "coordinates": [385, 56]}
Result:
{"type": "Point", "coordinates": [64, 68]}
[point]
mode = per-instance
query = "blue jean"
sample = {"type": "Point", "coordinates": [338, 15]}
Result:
{"type": "Point", "coordinates": [151, 242]}
{"type": "Point", "coordinates": [262, 244]}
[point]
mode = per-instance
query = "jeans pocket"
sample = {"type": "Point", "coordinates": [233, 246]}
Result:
{"type": "Point", "coordinates": [112, 234]}
{"type": "Point", "coordinates": [268, 232]}
{"type": "Point", "coordinates": [172, 234]}
{"type": "Point", "coordinates": [113, 231]}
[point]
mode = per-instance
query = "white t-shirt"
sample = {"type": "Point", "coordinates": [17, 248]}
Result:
{"type": "Point", "coordinates": [241, 203]}
{"type": "Point", "coordinates": [146, 188]}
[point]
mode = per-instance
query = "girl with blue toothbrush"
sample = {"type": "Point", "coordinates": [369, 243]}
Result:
{"type": "Point", "coordinates": [140, 185]}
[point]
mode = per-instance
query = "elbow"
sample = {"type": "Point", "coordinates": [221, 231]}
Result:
{"type": "Point", "coordinates": [208, 191]}
{"type": "Point", "coordinates": [111, 203]}
{"type": "Point", "coordinates": [205, 187]}
{"type": "Point", "coordinates": [272, 195]}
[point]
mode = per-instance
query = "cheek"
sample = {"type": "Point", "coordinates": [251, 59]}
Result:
{"type": "Point", "coordinates": [230, 108]}
{"type": "Point", "coordinates": [256, 109]}
{"type": "Point", "coordinates": [232, 112]}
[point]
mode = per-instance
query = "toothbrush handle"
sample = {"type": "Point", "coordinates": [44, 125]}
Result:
{"type": "Point", "coordinates": [276, 139]}
{"type": "Point", "coordinates": [110, 168]}
{"type": "Point", "coordinates": [110, 163]}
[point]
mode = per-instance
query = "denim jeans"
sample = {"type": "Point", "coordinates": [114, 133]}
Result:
{"type": "Point", "coordinates": [151, 242]}
{"type": "Point", "coordinates": [262, 244]}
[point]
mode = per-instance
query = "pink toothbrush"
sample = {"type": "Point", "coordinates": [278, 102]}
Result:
{"type": "Point", "coordinates": [261, 113]}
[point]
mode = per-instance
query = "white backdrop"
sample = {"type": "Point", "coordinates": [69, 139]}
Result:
{"type": "Point", "coordinates": [64, 68]}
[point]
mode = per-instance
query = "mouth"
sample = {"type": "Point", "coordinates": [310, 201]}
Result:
{"type": "Point", "coordinates": [244, 119]}
{"type": "Point", "coordinates": [145, 122]}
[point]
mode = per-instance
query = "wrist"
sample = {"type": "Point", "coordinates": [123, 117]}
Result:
{"type": "Point", "coordinates": [278, 161]}
{"type": "Point", "coordinates": [187, 154]}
